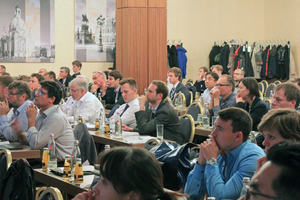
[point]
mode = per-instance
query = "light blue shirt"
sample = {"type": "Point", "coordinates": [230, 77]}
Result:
{"type": "Point", "coordinates": [224, 180]}
{"type": "Point", "coordinates": [6, 129]}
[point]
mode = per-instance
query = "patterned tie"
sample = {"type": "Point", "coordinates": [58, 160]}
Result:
{"type": "Point", "coordinates": [172, 93]}
{"type": "Point", "coordinates": [126, 107]}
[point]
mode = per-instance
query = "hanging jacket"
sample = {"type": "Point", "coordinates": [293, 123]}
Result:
{"type": "Point", "coordinates": [182, 60]}
{"type": "Point", "coordinates": [172, 56]}
{"type": "Point", "coordinates": [214, 51]}
{"type": "Point", "coordinates": [280, 62]}
{"type": "Point", "coordinates": [231, 60]}
{"type": "Point", "coordinates": [287, 62]}
{"type": "Point", "coordinates": [224, 57]}
{"type": "Point", "coordinates": [256, 68]}
{"type": "Point", "coordinates": [265, 56]}
{"type": "Point", "coordinates": [272, 62]}
{"type": "Point", "coordinates": [242, 63]}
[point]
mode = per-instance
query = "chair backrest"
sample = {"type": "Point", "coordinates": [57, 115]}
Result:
{"type": "Point", "coordinates": [86, 143]}
{"type": "Point", "coordinates": [51, 193]}
{"type": "Point", "coordinates": [190, 81]}
{"type": "Point", "coordinates": [187, 127]}
{"type": "Point", "coordinates": [38, 192]}
{"type": "Point", "coordinates": [176, 97]}
{"type": "Point", "coordinates": [277, 82]}
{"type": "Point", "coordinates": [261, 95]}
{"type": "Point", "coordinates": [269, 89]}
{"type": "Point", "coordinates": [192, 97]}
{"type": "Point", "coordinates": [5, 162]}
{"type": "Point", "coordinates": [151, 143]}
{"type": "Point", "coordinates": [113, 110]}
{"type": "Point", "coordinates": [194, 109]}
{"type": "Point", "coordinates": [268, 102]}
{"type": "Point", "coordinates": [266, 84]}
{"type": "Point", "coordinates": [169, 100]}
{"type": "Point", "coordinates": [261, 87]}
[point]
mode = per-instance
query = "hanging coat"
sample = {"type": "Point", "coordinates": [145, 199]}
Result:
{"type": "Point", "coordinates": [172, 56]}
{"type": "Point", "coordinates": [224, 57]}
{"type": "Point", "coordinates": [214, 51]}
{"type": "Point", "coordinates": [182, 60]}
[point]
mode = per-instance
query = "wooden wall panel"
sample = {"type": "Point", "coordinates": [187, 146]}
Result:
{"type": "Point", "coordinates": [157, 3]}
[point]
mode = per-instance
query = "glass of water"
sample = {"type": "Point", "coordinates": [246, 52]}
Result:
{"type": "Point", "coordinates": [160, 131]}
{"type": "Point", "coordinates": [112, 124]}
{"type": "Point", "coordinates": [205, 122]}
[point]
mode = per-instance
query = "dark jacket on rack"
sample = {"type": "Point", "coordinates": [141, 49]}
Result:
{"type": "Point", "coordinates": [224, 57]}
{"type": "Point", "coordinates": [242, 63]}
{"type": "Point", "coordinates": [214, 51]}
{"type": "Point", "coordinates": [172, 52]}
{"type": "Point", "coordinates": [182, 60]}
{"type": "Point", "coordinates": [272, 62]}
{"type": "Point", "coordinates": [265, 67]}
{"type": "Point", "coordinates": [287, 62]}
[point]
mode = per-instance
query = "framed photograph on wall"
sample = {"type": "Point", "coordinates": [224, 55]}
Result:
{"type": "Point", "coordinates": [27, 31]}
{"type": "Point", "coordinates": [95, 30]}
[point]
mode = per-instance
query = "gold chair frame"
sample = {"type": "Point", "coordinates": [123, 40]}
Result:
{"type": "Point", "coordinates": [199, 105]}
{"type": "Point", "coordinates": [192, 124]}
{"type": "Point", "coordinates": [267, 85]}
{"type": "Point", "coordinates": [173, 101]}
{"type": "Point", "coordinates": [52, 190]}
{"type": "Point", "coordinates": [8, 157]}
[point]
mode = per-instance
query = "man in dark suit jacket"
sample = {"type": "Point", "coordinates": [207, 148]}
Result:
{"type": "Point", "coordinates": [161, 113]}
{"type": "Point", "coordinates": [64, 76]}
{"type": "Point", "coordinates": [175, 78]}
{"type": "Point", "coordinates": [76, 68]}
{"type": "Point", "coordinates": [113, 94]}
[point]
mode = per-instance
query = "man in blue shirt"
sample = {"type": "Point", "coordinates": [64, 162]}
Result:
{"type": "Point", "coordinates": [18, 97]}
{"type": "Point", "coordinates": [225, 159]}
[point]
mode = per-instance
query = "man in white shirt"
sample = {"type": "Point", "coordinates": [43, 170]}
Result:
{"type": "Point", "coordinates": [100, 84]}
{"type": "Point", "coordinates": [88, 105]}
{"type": "Point", "coordinates": [129, 90]}
{"type": "Point", "coordinates": [211, 79]}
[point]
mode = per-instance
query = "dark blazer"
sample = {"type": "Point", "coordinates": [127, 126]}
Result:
{"type": "Point", "coordinates": [75, 75]}
{"type": "Point", "coordinates": [62, 87]}
{"type": "Point", "coordinates": [183, 89]}
{"type": "Point", "coordinates": [165, 115]}
{"type": "Point", "coordinates": [68, 80]}
{"type": "Point", "coordinates": [110, 98]}
{"type": "Point", "coordinates": [257, 111]}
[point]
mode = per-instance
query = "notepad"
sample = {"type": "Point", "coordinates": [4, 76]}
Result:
{"type": "Point", "coordinates": [10, 146]}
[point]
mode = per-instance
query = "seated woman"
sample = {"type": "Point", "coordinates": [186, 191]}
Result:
{"type": "Point", "coordinates": [278, 125]}
{"type": "Point", "coordinates": [129, 173]}
{"type": "Point", "coordinates": [248, 99]}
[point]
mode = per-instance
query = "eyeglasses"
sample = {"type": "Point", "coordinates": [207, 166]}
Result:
{"type": "Point", "coordinates": [220, 85]}
{"type": "Point", "coordinates": [73, 91]}
{"type": "Point", "coordinates": [236, 74]}
{"type": "Point", "coordinates": [40, 92]}
{"type": "Point", "coordinates": [250, 194]}
{"type": "Point", "coordinates": [11, 94]}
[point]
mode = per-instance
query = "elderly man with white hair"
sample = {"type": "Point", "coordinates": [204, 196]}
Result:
{"type": "Point", "coordinates": [85, 102]}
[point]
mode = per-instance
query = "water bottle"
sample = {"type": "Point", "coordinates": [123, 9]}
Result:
{"type": "Point", "coordinates": [102, 121]}
{"type": "Point", "coordinates": [99, 97]}
{"type": "Point", "coordinates": [252, 137]}
{"type": "Point", "coordinates": [246, 181]}
{"type": "Point", "coordinates": [76, 116]}
{"type": "Point", "coordinates": [145, 92]}
{"type": "Point", "coordinates": [97, 125]}
{"type": "Point", "coordinates": [75, 154]}
{"type": "Point", "coordinates": [206, 110]}
{"type": "Point", "coordinates": [180, 100]}
{"type": "Point", "coordinates": [118, 127]}
{"type": "Point", "coordinates": [52, 162]}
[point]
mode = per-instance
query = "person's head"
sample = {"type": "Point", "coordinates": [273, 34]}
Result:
{"type": "Point", "coordinates": [140, 171]}
{"type": "Point", "coordinates": [47, 95]}
{"type": "Point", "coordinates": [42, 71]}
{"type": "Point", "coordinates": [99, 79]}
{"type": "Point", "coordinates": [174, 75]}
{"type": "Point", "coordinates": [2, 68]}
{"type": "Point", "coordinates": [129, 89]}
{"type": "Point", "coordinates": [248, 88]}
{"type": "Point", "coordinates": [78, 88]}
{"type": "Point", "coordinates": [114, 78]}
{"type": "Point", "coordinates": [202, 72]}
{"type": "Point", "coordinates": [218, 69]}
{"type": "Point", "coordinates": [4, 83]}
{"type": "Point", "coordinates": [51, 76]}
{"type": "Point", "coordinates": [232, 128]}
{"type": "Point", "coordinates": [226, 85]}
{"type": "Point", "coordinates": [286, 95]}
{"type": "Point", "coordinates": [238, 75]}
{"type": "Point", "coordinates": [85, 78]}
{"type": "Point", "coordinates": [5, 73]}
{"type": "Point", "coordinates": [23, 78]}
{"type": "Point", "coordinates": [110, 69]}
{"type": "Point", "coordinates": [76, 66]}
{"type": "Point", "coordinates": [64, 72]}
{"type": "Point", "coordinates": [211, 79]}
{"type": "Point", "coordinates": [18, 93]}
{"type": "Point", "coordinates": [157, 92]}
{"type": "Point", "coordinates": [296, 81]}
{"type": "Point", "coordinates": [278, 177]}
{"type": "Point", "coordinates": [279, 125]}
{"type": "Point", "coordinates": [35, 80]}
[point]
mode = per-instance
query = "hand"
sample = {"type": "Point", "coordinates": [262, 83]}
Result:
{"type": "Point", "coordinates": [4, 107]}
{"type": "Point", "coordinates": [239, 98]}
{"type": "Point", "coordinates": [126, 128]}
{"type": "Point", "coordinates": [260, 162]}
{"type": "Point", "coordinates": [84, 196]}
{"type": "Point", "coordinates": [142, 102]}
{"type": "Point", "coordinates": [59, 77]}
{"type": "Point", "coordinates": [17, 129]}
{"type": "Point", "coordinates": [31, 112]}
{"type": "Point", "coordinates": [201, 160]}
{"type": "Point", "coordinates": [210, 148]}
{"type": "Point", "coordinates": [94, 88]}
{"type": "Point", "coordinates": [215, 93]}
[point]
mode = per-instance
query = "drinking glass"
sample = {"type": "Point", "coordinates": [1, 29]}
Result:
{"type": "Point", "coordinates": [160, 131]}
{"type": "Point", "coordinates": [214, 118]}
{"type": "Point", "coordinates": [205, 122]}
{"type": "Point", "coordinates": [199, 120]}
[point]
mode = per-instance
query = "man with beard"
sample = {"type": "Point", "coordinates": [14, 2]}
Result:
{"type": "Point", "coordinates": [160, 113]}
{"type": "Point", "coordinates": [18, 98]}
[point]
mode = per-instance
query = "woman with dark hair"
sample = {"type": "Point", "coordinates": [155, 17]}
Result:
{"type": "Point", "coordinates": [129, 173]}
{"type": "Point", "coordinates": [248, 98]}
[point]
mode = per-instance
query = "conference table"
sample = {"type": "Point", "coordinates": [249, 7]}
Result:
{"type": "Point", "coordinates": [202, 132]}
{"type": "Point", "coordinates": [24, 152]}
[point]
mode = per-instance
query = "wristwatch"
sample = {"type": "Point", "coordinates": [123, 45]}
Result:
{"type": "Point", "coordinates": [211, 161]}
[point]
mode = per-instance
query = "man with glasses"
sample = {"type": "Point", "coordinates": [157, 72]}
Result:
{"type": "Point", "coordinates": [50, 119]}
{"type": "Point", "coordinates": [225, 159]}
{"type": "Point", "coordinates": [222, 96]}
{"type": "Point", "coordinates": [238, 75]}
{"type": "Point", "coordinates": [278, 178]}
{"type": "Point", "coordinates": [18, 98]}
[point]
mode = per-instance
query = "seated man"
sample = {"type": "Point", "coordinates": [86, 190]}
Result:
{"type": "Point", "coordinates": [100, 84]}
{"type": "Point", "coordinates": [88, 105]}
{"type": "Point", "coordinates": [113, 93]}
{"type": "Point", "coordinates": [238, 75]}
{"type": "Point", "coordinates": [277, 177]}
{"type": "Point", "coordinates": [200, 82]}
{"type": "Point", "coordinates": [211, 79]}
{"type": "Point", "coordinates": [51, 76]}
{"type": "Point", "coordinates": [18, 97]}
{"type": "Point", "coordinates": [64, 76]}
{"type": "Point", "coordinates": [225, 159]}
{"type": "Point", "coordinates": [161, 113]}
{"type": "Point", "coordinates": [34, 83]}
{"type": "Point", "coordinates": [42, 71]}
{"type": "Point", "coordinates": [127, 110]}
{"type": "Point", "coordinates": [286, 95]}
{"type": "Point", "coordinates": [222, 96]}
{"type": "Point", "coordinates": [218, 69]}
{"type": "Point", "coordinates": [76, 68]}
{"type": "Point", "coordinates": [49, 120]}
{"type": "Point", "coordinates": [175, 78]}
